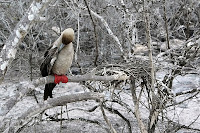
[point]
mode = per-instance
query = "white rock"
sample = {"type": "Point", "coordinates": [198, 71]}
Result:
{"type": "Point", "coordinates": [34, 9]}
{"type": "Point", "coordinates": [198, 41]}
{"type": "Point", "coordinates": [13, 44]}
{"type": "Point", "coordinates": [43, 19]}
{"type": "Point", "coordinates": [56, 29]}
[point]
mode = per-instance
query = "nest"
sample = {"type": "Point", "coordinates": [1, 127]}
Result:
{"type": "Point", "coordinates": [138, 67]}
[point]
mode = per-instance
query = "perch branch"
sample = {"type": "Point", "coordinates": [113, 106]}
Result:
{"type": "Point", "coordinates": [78, 78]}
{"type": "Point", "coordinates": [5, 108]}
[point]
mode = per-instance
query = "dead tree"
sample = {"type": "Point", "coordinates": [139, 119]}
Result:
{"type": "Point", "coordinates": [9, 50]}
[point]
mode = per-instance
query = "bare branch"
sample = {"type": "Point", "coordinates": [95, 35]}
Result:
{"type": "Point", "coordinates": [60, 101]}
{"type": "Point", "coordinates": [95, 33]}
{"type": "Point", "coordinates": [166, 25]}
{"type": "Point", "coordinates": [109, 30]}
{"type": "Point", "coordinates": [50, 79]}
{"type": "Point", "coordinates": [136, 106]}
{"type": "Point", "coordinates": [107, 121]}
{"type": "Point", "coordinates": [187, 92]}
{"type": "Point", "coordinates": [115, 111]}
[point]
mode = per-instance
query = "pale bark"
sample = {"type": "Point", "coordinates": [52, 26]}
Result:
{"type": "Point", "coordinates": [77, 44]}
{"type": "Point", "coordinates": [50, 103]}
{"type": "Point", "coordinates": [130, 24]}
{"type": "Point", "coordinates": [9, 50]}
{"type": "Point", "coordinates": [148, 35]}
{"type": "Point", "coordinates": [154, 114]}
{"type": "Point", "coordinates": [60, 101]}
{"type": "Point", "coordinates": [142, 127]}
{"type": "Point", "coordinates": [108, 30]}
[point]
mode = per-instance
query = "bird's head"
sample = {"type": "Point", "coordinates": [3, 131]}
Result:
{"type": "Point", "coordinates": [67, 36]}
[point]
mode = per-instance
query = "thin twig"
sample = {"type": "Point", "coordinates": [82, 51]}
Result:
{"type": "Point", "coordinates": [120, 115]}
{"type": "Point", "coordinates": [106, 119]}
{"type": "Point", "coordinates": [183, 100]}
{"type": "Point", "coordinates": [95, 33]}
{"type": "Point", "coordinates": [166, 25]}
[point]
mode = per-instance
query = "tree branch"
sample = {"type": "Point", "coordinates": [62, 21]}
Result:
{"type": "Point", "coordinates": [50, 103]}
{"type": "Point", "coordinates": [136, 106]}
{"type": "Point", "coordinates": [60, 101]}
{"type": "Point", "coordinates": [95, 33]}
{"type": "Point", "coordinates": [109, 30]}
{"type": "Point", "coordinates": [107, 121]}
{"type": "Point", "coordinates": [26, 88]}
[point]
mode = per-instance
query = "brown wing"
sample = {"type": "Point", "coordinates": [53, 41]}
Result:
{"type": "Point", "coordinates": [46, 66]}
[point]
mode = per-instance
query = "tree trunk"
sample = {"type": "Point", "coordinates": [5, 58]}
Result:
{"type": "Point", "coordinates": [20, 31]}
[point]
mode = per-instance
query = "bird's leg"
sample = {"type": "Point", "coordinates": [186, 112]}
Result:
{"type": "Point", "coordinates": [60, 78]}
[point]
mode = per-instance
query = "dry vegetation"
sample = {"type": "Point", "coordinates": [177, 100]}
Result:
{"type": "Point", "coordinates": [129, 55]}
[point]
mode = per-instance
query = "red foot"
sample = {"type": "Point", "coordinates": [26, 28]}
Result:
{"type": "Point", "coordinates": [61, 78]}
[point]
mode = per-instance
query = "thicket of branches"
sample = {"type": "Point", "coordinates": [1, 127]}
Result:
{"type": "Point", "coordinates": [108, 35]}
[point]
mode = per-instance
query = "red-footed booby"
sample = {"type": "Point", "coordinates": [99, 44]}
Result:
{"type": "Point", "coordinates": [57, 60]}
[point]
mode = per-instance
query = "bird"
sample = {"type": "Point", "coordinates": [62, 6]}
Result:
{"type": "Point", "coordinates": [57, 61]}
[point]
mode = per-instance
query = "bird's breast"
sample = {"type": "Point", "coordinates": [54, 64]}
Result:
{"type": "Point", "coordinates": [64, 60]}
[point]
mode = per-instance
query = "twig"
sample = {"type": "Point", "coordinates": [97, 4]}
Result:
{"type": "Point", "coordinates": [177, 126]}
{"type": "Point", "coordinates": [136, 106]}
{"type": "Point", "coordinates": [166, 26]}
{"type": "Point", "coordinates": [4, 109]}
{"type": "Point", "coordinates": [109, 30]}
{"type": "Point", "coordinates": [183, 100]}
{"type": "Point", "coordinates": [120, 115]}
{"type": "Point", "coordinates": [194, 120]}
{"type": "Point", "coordinates": [50, 103]}
{"type": "Point", "coordinates": [61, 112]}
{"type": "Point", "coordinates": [187, 92]}
{"type": "Point", "coordinates": [95, 33]}
{"type": "Point", "coordinates": [107, 121]}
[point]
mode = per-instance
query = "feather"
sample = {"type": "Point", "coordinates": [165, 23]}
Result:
{"type": "Point", "coordinates": [58, 59]}
{"type": "Point", "coordinates": [46, 65]}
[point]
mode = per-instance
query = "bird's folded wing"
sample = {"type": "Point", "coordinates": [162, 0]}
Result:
{"type": "Point", "coordinates": [49, 59]}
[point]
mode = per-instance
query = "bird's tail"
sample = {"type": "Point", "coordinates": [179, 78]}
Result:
{"type": "Point", "coordinates": [48, 90]}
